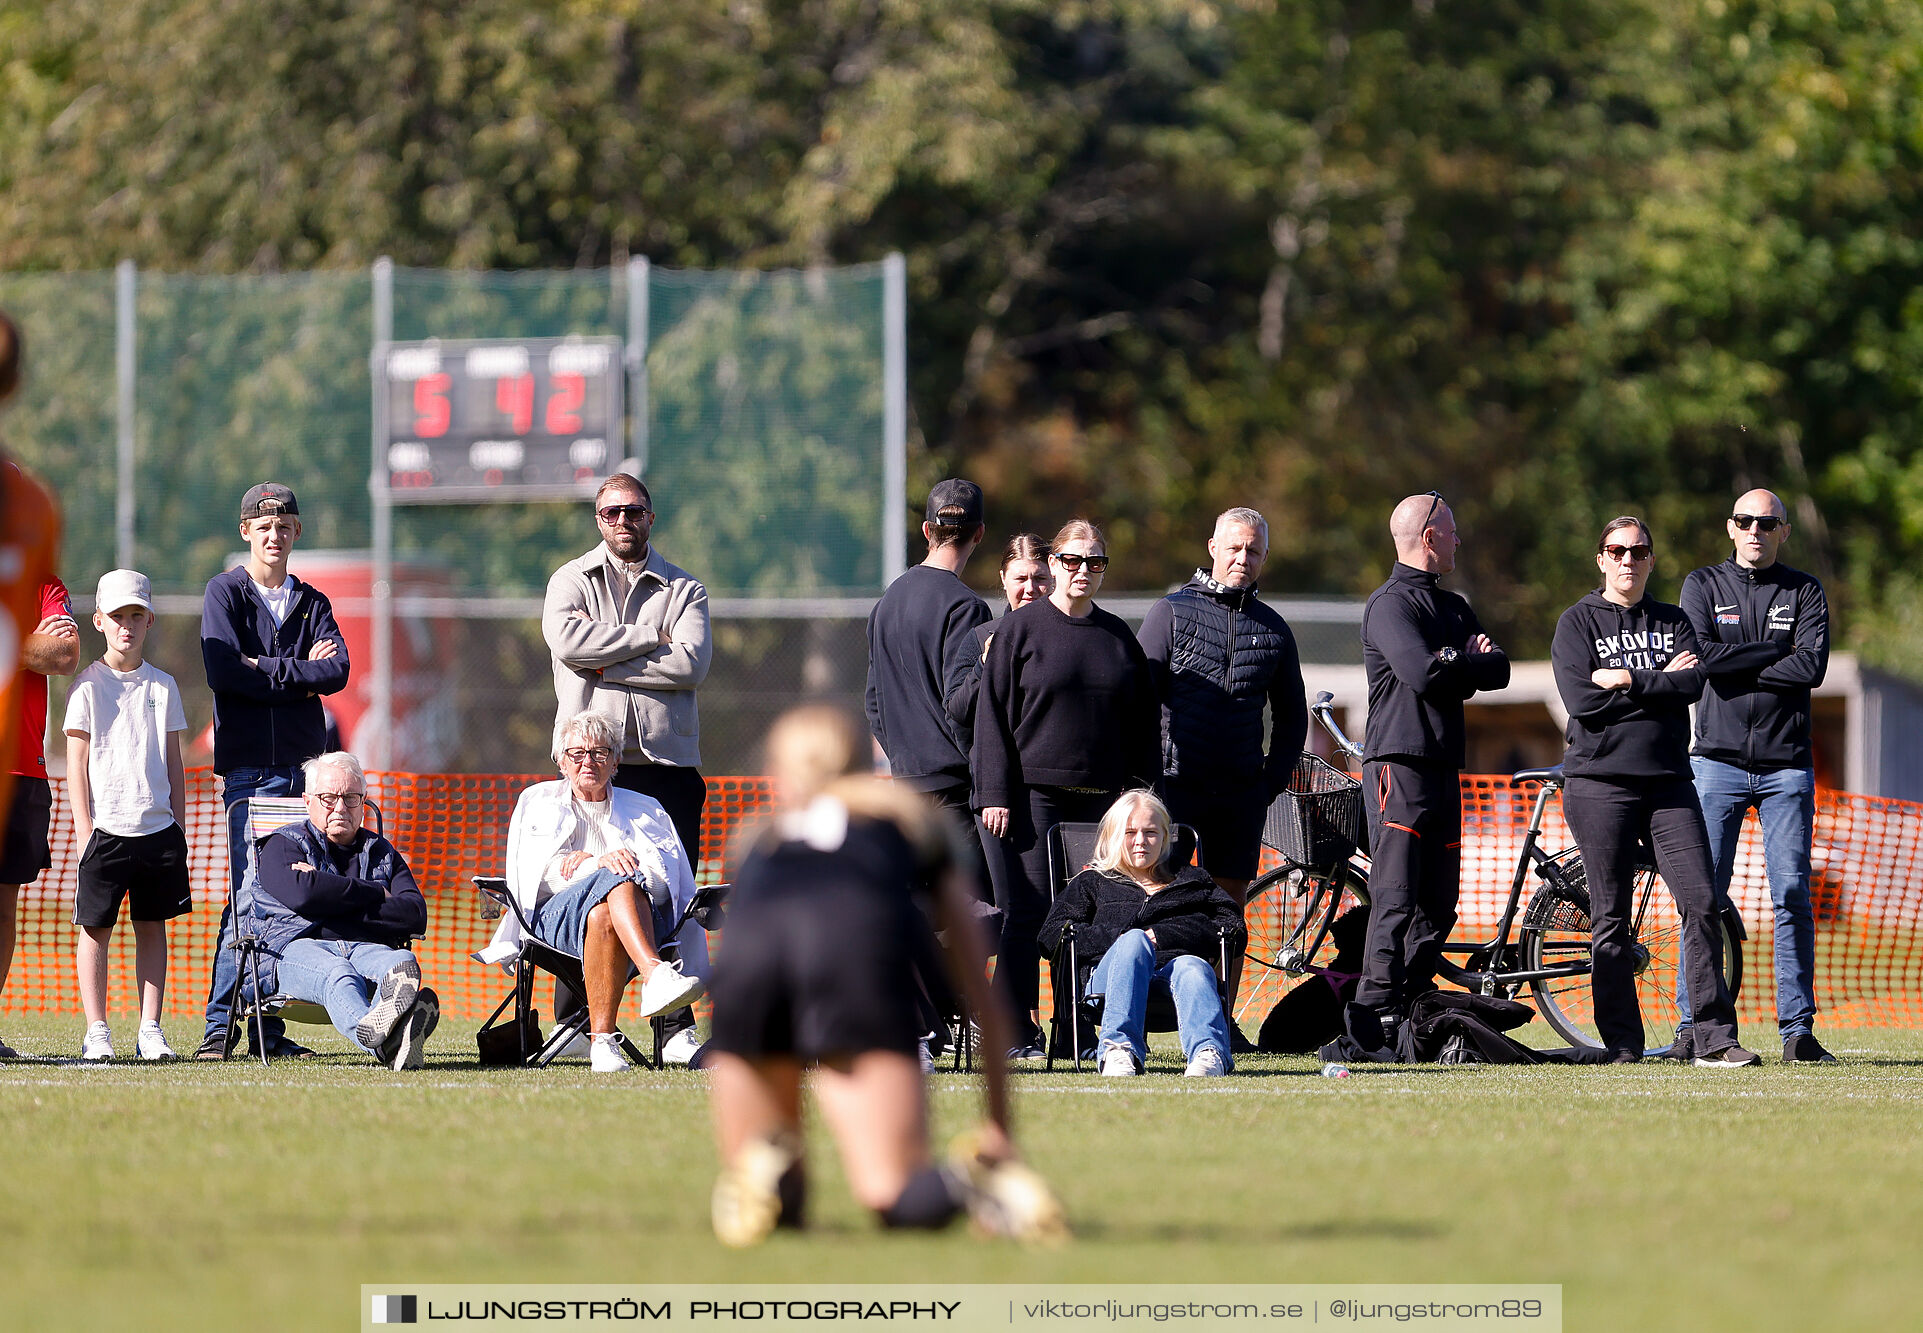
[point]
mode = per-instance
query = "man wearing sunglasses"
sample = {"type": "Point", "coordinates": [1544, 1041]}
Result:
{"type": "Point", "coordinates": [1425, 654]}
{"type": "Point", "coordinates": [1764, 640]}
{"type": "Point", "coordinates": [628, 636]}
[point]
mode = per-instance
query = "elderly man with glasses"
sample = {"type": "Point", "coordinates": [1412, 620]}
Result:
{"type": "Point", "coordinates": [337, 907]}
{"type": "Point", "coordinates": [600, 874]}
{"type": "Point", "coordinates": [1763, 633]}
{"type": "Point", "coordinates": [1425, 654]}
{"type": "Point", "coordinates": [627, 633]}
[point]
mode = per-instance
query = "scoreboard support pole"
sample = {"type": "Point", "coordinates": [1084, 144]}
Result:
{"type": "Point", "coordinates": [126, 366]}
{"type": "Point", "coordinates": [380, 704]}
{"type": "Point", "coordinates": [637, 354]}
{"type": "Point", "coordinates": [894, 417]}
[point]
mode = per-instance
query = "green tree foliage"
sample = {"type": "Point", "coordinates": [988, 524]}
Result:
{"type": "Point", "coordinates": [1557, 260]}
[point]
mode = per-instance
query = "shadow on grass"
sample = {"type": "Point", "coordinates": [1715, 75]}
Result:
{"type": "Point", "coordinates": [1241, 1231]}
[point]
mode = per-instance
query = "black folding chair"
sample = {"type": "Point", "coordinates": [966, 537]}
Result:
{"type": "Point", "coordinates": [266, 815]}
{"type": "Point", "coordinates": [705, 908]}
{"type": "Point", "coordinates": [1071, 846]}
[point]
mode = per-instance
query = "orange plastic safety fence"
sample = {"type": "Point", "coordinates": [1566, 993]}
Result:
{"type": "Point", "coordinates": [450, 827]}
{"type": "Point", "coordinates": [1867, 890]}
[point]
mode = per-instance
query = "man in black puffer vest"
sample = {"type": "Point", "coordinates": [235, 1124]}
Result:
{"type": "Point", "coordinates": [1220, 655]}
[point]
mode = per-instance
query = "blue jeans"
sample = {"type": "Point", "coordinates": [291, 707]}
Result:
{"type": "Point", "coordinates": [1785, 805]}
{"type": "Point", "coordinates": [235, 787]}
{"type": "Point", "coordinates": [1124, 979]}
{"type": "Point", "coordinates": [343, 975]}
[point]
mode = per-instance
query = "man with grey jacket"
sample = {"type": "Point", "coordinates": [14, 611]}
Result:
{"type": "Point", "coordinates": [628, 636]}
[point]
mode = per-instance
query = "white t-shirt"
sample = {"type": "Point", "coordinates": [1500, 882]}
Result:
{"type": "Point", "coordinates": [126, 716]}
{"type": "Point", "coordinates": [279, 600]}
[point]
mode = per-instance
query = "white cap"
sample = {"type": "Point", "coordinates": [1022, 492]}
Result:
{"type": "Point", "coordinates": [123, 587]}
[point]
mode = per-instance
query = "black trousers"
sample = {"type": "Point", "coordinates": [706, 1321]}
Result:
{"type": "Point", "coordinates": [1609, 819]}
{"type": "Point", "coordinates": [683, 792]}
{"type": "Point", "coordinates": [1415, 849]}
{"type": "Point", "coordinates": [1018, 965]}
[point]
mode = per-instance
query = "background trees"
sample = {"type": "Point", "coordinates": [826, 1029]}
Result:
{"type": "Point", "coordinates": [1557, 260]}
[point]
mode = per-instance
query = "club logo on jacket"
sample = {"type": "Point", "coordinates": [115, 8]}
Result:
{"type": "Point", "coordinates": [1644, 649]}
{"type": "Point", "coordinates": [1782, 617]}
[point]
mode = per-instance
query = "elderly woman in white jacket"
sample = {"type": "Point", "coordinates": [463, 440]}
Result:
{"type": "Point", "coordinates": [600, 873]}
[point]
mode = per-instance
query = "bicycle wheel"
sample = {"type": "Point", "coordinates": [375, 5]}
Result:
{"type": "Point", "coordinates": [1555, 934]}
{"type": "Point", "coordinates": [1289, 916]}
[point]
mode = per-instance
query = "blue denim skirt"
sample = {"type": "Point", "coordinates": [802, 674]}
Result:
{"type": "Point", "coordinates": [562, 921]}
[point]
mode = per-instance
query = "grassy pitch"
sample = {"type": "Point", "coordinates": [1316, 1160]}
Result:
{"type": "Point", "coordinates": [232, 1196]}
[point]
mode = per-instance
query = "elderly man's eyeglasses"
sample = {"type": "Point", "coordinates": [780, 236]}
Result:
{"type": "Point", "coordinates": [598, 755]}
{"type": "Point", "coordinates": [333, 800]}
{"type": "Point", "coordinates": [1763, 522]}
{"type": "Point", "coordinates": [1639, 552]}
{"type": "Point", "coordinates": [629, 514]}
{"type": "Point", "coordinates": [1096, 563]}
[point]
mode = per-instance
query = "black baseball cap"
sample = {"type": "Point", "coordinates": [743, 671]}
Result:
{"type": "Point", "coordinates": [266, 500]}
{"type": "Point", "coordinates": [955, 504]}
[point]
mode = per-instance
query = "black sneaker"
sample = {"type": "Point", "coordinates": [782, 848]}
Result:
{"type": "Point", "coordinates": [215, 1046]}
{"type": "Point", "coordinates": [1730, 1057]}
{"type": "Point", "coordinates": [1683, 1047]}
{"type": "Point", "coordinates": [286, 1048]}
{"type": "Point", "coordinates": [1623, 1056]}
{"type": "Point", "coordinates": [1804, 1049]}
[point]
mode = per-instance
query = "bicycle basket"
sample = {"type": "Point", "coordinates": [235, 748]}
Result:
{"type": "Point", "coordinates": [1318, 820]}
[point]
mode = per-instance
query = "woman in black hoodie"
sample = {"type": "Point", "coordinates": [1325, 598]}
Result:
{"type": "Point", "coordinates": [1627, 671]}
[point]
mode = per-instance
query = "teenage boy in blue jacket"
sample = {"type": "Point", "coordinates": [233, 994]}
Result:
{"type": "Point", "coordinates": [271, 649]}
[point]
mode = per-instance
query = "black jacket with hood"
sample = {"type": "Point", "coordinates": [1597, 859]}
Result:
{"type": "Point", "coordinates": [1641, 731]}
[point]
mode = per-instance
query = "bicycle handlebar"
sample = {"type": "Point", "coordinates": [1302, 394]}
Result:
{"type": "Point", "coordinates": [1323, 711]}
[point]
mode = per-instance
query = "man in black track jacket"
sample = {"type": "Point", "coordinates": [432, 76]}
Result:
{"type": "Point", "coordinates": [1425, 654]}
{"type": "Point", "coordinates": [1762, 630]}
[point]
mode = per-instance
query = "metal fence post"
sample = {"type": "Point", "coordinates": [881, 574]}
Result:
{"type": "Point", "coordinates": [894, 417]}
{"type": "Point", "coordinates": [638, 273]}
{"type": "Point", "coordinates": [381, 705]}
{"type": "Point", "coordinates": [126, 366]}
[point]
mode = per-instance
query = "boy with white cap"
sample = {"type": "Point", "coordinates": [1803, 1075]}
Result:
{"type": "Point", "coordinates": [129, 795]}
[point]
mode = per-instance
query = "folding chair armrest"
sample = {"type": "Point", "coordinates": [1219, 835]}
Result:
{"type": "Point", "coordinates": [494, 896]}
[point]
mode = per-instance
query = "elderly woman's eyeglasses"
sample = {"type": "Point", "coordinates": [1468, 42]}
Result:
{"type": "Point", "coordinates": [335, 799]}
{"type": "Point", "coordinates": [598, 755]}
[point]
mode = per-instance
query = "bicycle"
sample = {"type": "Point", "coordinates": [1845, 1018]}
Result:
{"type": "Point", "coordinates": [1318, 828]}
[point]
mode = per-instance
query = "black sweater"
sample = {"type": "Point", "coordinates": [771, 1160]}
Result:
{"type": "Point", "coordinates": [1764, 637]}
{"type": "Point", "coordinates": [1641, 731]}
{"type": "Point", "coordinates": [1415, 698]}
{"type": "Point", "coordinates": [1187, 916]}
{"type": "Point", "coordinates": [1065, 702]}
{"type": "Point", "coordinates": [912, 632]}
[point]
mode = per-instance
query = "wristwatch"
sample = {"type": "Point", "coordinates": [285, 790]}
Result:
{"type": "Point", "coordinates": [1448, 655]}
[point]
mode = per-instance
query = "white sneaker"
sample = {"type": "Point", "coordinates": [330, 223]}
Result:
{"type": "Point", "coordinates": [666, 988]}
{"type": "Point", "coordinates": [605, 1055]}
{"type": "Point", "coordinates": [576, 1049]}
{"type": "Point", "coordinates": [1207, 1063]}
{"type": "Point", "coordinates": [152, 1043]}
{"type": "Point", "coordinates": [1118, 1062]}
{"type": "Point", "coordinates": [681, 1048]}
{"type": "Point", "coordinates": [98, 1044]}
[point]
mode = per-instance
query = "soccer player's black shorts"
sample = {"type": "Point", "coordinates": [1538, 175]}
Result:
{"type": "Point", "coordinates": [23, 851]}
{"type": "Point", "coordinates": [819, 970]}
{"type": "Point", "coordinates": [150, 871]}
{"type": "Point", "coordinates": [1228, 821]}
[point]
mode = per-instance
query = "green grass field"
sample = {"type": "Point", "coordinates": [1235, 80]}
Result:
{"type": "Point", "coordinates": [1660, 1197]}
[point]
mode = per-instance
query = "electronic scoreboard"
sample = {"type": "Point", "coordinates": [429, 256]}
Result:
{"type": "Point", "coordinates": [498, 418]}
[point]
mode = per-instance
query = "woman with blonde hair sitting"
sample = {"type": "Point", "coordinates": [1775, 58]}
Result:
{"type": "Point", "coordinates": [1156, 927]}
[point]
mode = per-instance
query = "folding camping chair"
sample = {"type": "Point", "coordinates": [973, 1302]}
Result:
{"type": "Point", "coordinates": [705, 908]}
{"type": "Point", "coordinates": [265, 816]}
{"type": "Point", "coordinates": [1071, 846]}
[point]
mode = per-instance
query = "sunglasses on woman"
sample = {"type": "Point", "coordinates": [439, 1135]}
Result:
{"type": "Point", "coordinates": [1763, 522]}
{"type": "Point", "coordinates": [1096, 563]}
{"type": "Point", "coordinates": [1639, 552]}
